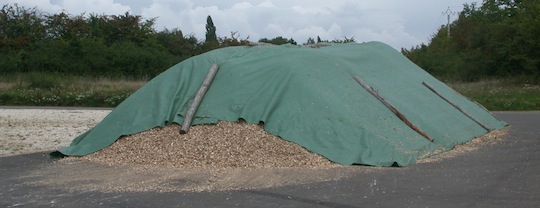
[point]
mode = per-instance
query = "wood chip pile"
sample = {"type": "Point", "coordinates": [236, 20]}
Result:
{"type": "Point", "coordinates": [233, 145]}
{"type": "Point", "coordinates": [224, 145]}
{"type": "Point", "coordinates": [491, 138]}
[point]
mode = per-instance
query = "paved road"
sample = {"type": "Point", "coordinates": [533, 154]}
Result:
{"type": "Point", "coordinates": [500, 175]}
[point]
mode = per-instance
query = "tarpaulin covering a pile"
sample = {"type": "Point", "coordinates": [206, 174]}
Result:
{"type": "Point", "coordinates": [307, 96]}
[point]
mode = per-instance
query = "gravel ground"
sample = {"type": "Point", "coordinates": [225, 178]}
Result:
{"type": "Point", "coordinates": [25, 131]}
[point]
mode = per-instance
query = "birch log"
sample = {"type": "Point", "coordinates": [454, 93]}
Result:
{"type": "Point", "coordinates": [198, 98]}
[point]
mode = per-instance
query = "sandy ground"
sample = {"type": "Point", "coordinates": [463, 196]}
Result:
{"type": "Point", "coordinates": [25, 131]}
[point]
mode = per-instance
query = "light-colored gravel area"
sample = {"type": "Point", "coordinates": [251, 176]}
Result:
{"type": "Point", "coordinates": [25, 131]}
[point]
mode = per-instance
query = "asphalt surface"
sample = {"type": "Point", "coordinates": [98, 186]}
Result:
{"type": "Point", "coordinates": [500, 175]}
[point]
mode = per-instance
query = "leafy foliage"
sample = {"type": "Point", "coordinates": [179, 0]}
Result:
{"type": "Point", "coordinates": [97, 45]}
{"type": "Point", "coordinates": [210, 30]}
{"type": "Point", "coordinates": [278, 41]}
{"type": "Point", "coordinates": [114, 46]}
{"type": "Point", "coordinates": [497, 39]}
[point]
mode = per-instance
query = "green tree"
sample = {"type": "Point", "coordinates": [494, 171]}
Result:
{"type": "Point", "coordinates": [496, 39]}
{"type": "Point", "coordinates": [345, 40]}
{"type": "Point", "coordinates": [210, 30]}
{"type": "Point", "coordinates": [91, 45]}
{"type": "Point", "coordinates": [116, 28]}
{"type": "Point", "coordinates": [310, 41]}
{"type": "Point", "coordinates": [20, 27]}
{"type": "Point", "coordinates": [180, 46]}
{"type": "Point", "coordinates": [211, 41]}
{"type": "Point", "coordinates": [278, 41]}
{"type": "Point", "coordinates": [233, 40]}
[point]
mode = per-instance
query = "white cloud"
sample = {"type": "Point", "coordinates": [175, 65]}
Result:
{"type": "Point", "coordinates": [266, 4]}
{"type": "Point", "coordinates": [43, 5]}
{"type": "Point", "coordinates": [75, 7]}
{"type": "Point", "coordinates": [311, 10]}
{"type": "Point", "coordinates": [170, 13]}
{"type": "Point", "coordinates": [397, 38]}
{"type": "Point", "coordinates": [107, 7]}
{"type": "Point", "coordinates": [242, 6]}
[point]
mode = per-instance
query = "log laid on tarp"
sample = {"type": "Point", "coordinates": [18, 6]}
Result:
{"type": "Point", "coordinates": [392, 108]}
{"type": "Point", "coordinates": [198, 98]}
{"type": "Point", "coordinates": [456, 106]}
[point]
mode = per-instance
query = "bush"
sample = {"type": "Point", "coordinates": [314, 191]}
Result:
{"type": "Point", "coordinates": [42, 80]}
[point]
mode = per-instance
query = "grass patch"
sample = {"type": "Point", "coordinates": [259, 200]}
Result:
{"type": "Point", "coordinates": [41, 89]}
{"type": "Point", "coordinates": [501, 94]}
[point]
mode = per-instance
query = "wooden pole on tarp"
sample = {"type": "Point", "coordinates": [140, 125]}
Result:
{"type": "Point", "coordinates": [198, 98]}
{"type": "Point", "coordinates": [455, 106]}
{"type": "Point", "coordinates": [392, 108]}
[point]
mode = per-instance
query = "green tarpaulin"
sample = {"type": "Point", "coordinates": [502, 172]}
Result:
{"type": "Point", "coordinates": [307, 96]}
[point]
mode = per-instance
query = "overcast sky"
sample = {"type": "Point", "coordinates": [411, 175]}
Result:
{"type": "Point", "coordinates": [399, 23]}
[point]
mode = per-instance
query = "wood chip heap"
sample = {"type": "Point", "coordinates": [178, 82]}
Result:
{"type": "Point", "coordinates": [233, 145]}
{"type": "Point", "coordinates": [224, 145]}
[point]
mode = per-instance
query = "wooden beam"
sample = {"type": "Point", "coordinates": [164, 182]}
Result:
{"type": "Point", "coordinates": [198, 98]}
{"type": "Point", "coordinates": [392, 108]}
{"type": "Point", "coordinates": [456, 106]}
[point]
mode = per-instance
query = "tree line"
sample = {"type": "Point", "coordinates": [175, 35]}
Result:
{"type": "Point", "coordinates": [96, 45]}
{"type": "Point", "coordinates": [498, 39]}
{"type": "Point", "coordinates": [91, 45]}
